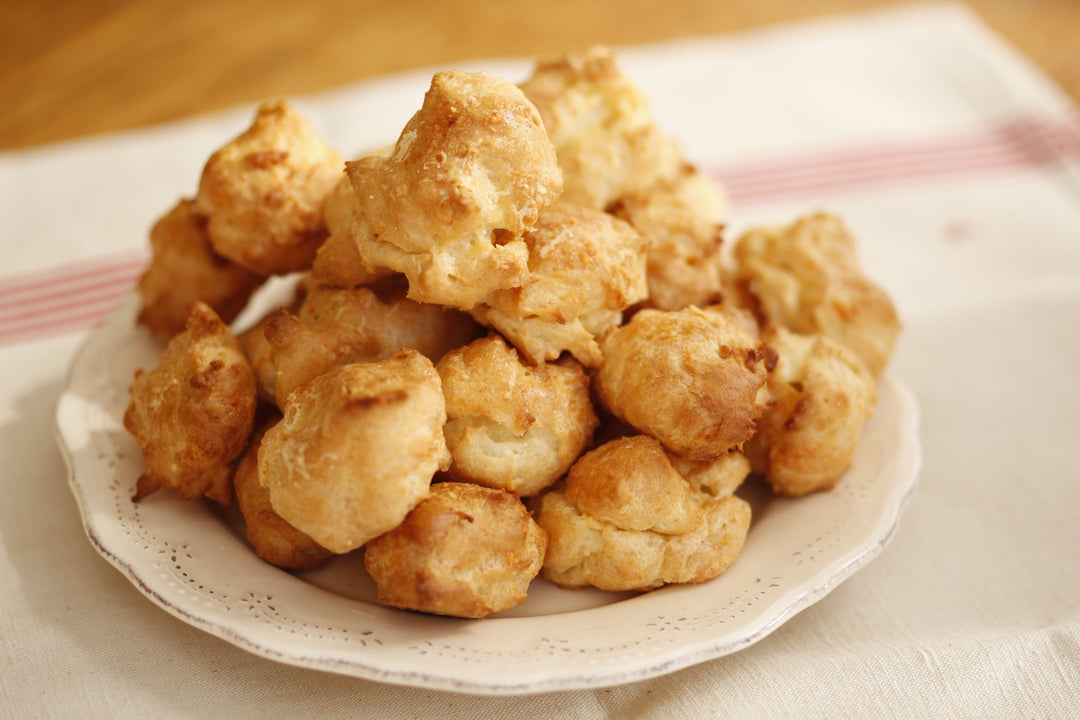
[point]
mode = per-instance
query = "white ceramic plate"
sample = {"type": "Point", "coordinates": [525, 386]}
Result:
{"type": "Point", "coordinates": [191, 559]}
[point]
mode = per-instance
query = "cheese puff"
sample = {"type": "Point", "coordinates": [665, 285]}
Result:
{"type": "Point", "coordinates": [335, 326]}
{"type": "Point", "coordinates": [192, 414]}
{"type": "Point", "coordinates": [511, 425]}
{"type": "Point", "coordinates": [693, 379]}
{"type": "Point", "coordinates": [274, 540]}
{"type": "Point", "coordinates": [356, 449]}
{"type": "Point", "coordinates": [465, 550]}
{"type": "Point", "coordinates": [807, 278]}
{"type": "Point", "coordinates": [338, 261]}
{"type": "Point", "coordinates": [258, 350]}
{"type": "Point", "coordinates": [184, 268]}
{"type": "Point", "coordinates": [626, 520]}
{"type": "Point", "coordinates": [824, 393]}
{"type": "Point", "coordinates": [683, 223]}
{"type": "Point", "coordinates": [260, 354]}
{"type": "Point", "coordinates": [604, 132]}
{"type": "Point", "coordinates": [263, 192]}
{"type": "Point", "coordinates": [470, 172]}
{"type": "Point", "coordinates": [717, 477]}
{"type": "Point", "coordinates": [585, 268]}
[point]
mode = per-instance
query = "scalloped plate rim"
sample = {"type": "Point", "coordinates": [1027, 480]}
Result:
{"type": "Point", "coordinates": [370, 665]}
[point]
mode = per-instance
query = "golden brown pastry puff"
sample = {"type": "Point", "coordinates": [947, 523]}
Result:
{"type": "Point", "coordinates": [683, 222]}
{"type": "Point", "coordinates": [512, 425]}
{"type": "Point", "coordinates": [807, 278]}
{"type": "Point", "coordinates": [694, 379]}
{"type": "Point", "coordinates": [356, 449]}
{"type": "Point", "coordinates": [466, 551]}
{"type": "Point", "coordinates": [263, 192]}
{"type": "Point", "coordinates": [823, 394]}
{"type": "Point", "coordinates": [274, 540]}
{"type": "Point", "coordinates": [470, 172]}
{"type": "Point", "coordinates": [602, 126]}
{"type": "Point", "coordinates": [259, 351]}
{"type": "Point", "coordinates": [585, 268]}
{"type": "Point", "coordinates": [193, 413]}
{"type": "Point", "coordinates": [626, 520]}
{"type": "Point", "coordinates": [184, 268]}
{"type": "Point", "coordinates": [338, 261]}
{"type": "Point", "coordinates": [335, 326]}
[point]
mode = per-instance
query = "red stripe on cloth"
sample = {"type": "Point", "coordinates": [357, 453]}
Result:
{"type": "Point", "coordinates": [80, 295]}
{"type": "Point", "coordinates": [50, 280]}
{"type": "Point", "coordinates": [65, 298]}
{"type": "Point", "coordinates": [1024, 143]}
{"type": "Point", "coordinates": [865, 178]}
{"type": "Point", "coordinates": [60, 305]}
{"type": "Point", "coordinates": [60, 299]}
{"type": "Point", "coordinates": [88, 316]}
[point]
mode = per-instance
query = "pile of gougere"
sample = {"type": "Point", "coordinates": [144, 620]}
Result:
{"type": "Point", "coordinates": [517, 346]}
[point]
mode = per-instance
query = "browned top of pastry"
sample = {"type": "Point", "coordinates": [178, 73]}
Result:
{"type": "Point", "coordinates": [693, 379]}
{"type": "Point", "coordinates": [466, 551]}
{"type": "Point", "coordinates": [263, 192]}
{"type": "Point", "coordinates": [585, 268]}
{"type": "Point", "coordinates": [357, 449]}
{"type": "Point", "coordinates": [602, 126]}
{"type": "Point", "coordinates": [511, 424]}
{"type": "Point", "coordinates": [807, 277]}
{"type": "Point", "coordinates": [470, 172]}
{"type": "Point", "coordinates": [192, 414]}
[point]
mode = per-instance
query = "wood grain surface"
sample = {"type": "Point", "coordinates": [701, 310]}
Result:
{"type": "Point", "coordinates": [74, 68]}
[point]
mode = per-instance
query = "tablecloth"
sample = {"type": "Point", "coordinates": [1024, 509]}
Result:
{"type": "Point", "coordinates": [955, 163]}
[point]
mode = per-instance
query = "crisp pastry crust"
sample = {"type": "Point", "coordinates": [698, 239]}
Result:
{"type": "Point", "coordinates": [602, 127]}
{"type": "Point", "coordinates": [585, 268]}
{"type": "Point", "coordinates": [335, 326]}
{"type": "Point", "coordinates": [721, 476]}
{"type": "Point", "coordinates": [694, 379]}
{"type": "Point", "coordinates": [511, 425]}
{"type": "Point", "coordinates": [471, 171]}
{"type": "Point", "coordinates": [626, 520]}
{"type": "Point", "coordinates": [630, 483]}
{"type": "Point", "coordinates": [338, 261]}
{"type": "Point", "coordinates": [682, 220]}
{"type": "Point", "coordinates": [184, 268]}
{"type": "Point", "coordinates": [260, 354]}
{"type": "Point", "coordinates": [259, 351]}
{"type": "Point", "coordinates": [274, 540]}
{"type": "Point", "coordinates": [634, 372]}
{"type": "Point", "coordinates": [823, 394]}
{"type": "Point", "coordinates": [465, 550]}
{"type": "Point", "coordinates": [192, 414]}
{"type": "Point", "coordinates": [262, 193]}
{"type": "Point", "coordinates": [807, 278]}
{"type": "Point", "coordinates": [356, 449]}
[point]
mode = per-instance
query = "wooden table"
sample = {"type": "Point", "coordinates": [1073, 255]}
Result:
{"type": "Point", "coordinates": [71, 68]}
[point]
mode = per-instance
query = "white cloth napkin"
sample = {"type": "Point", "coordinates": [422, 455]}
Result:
{"type": "Point", "coordinates": [957, 166]}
